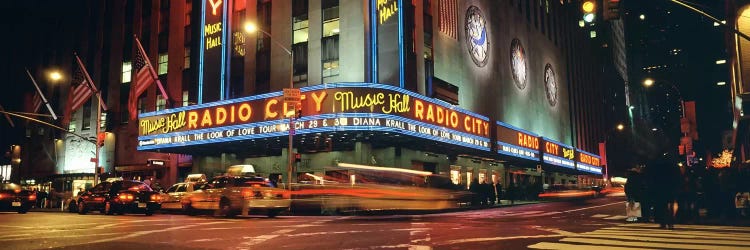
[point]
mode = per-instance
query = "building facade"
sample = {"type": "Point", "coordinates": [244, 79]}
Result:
{"type": "Point", "coordinates": [496, 91]}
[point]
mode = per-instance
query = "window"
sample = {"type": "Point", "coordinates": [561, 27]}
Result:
{"type": "Point", "coordinates": [86, 115]}
{"type": "Point", "coordinates": [161, 102]}
{"type": "Point", "coordinates": [330, 41]}
{"type": "Point", "coordinates": [330, 56]}
{"type": "Point", "coordinates": [185, 96]}
{"type": "Point", "coordinates": [163, 63]}
{"type": "Point", "coordinates": [330, 18]}
{"type": "Point", "coordinates": [141, 105]}
{"type": "Point", "coordinates": [300, 27]}
{"type": "Point", "coordinates": [127, 67]}
{"type": "Point", "coordinates": [187, 58]}
{"type": "Point", "coordinates": [188, 11]}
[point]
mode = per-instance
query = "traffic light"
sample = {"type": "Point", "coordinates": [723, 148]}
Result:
{"type": "Point", "coordinates": [100, 139]}
{"type": "Point", "coordinates": [297, 157]}
{"type": "Point", "coordinates": [589, 10]}
{"type": "Point", "coordinates": [611, 10]}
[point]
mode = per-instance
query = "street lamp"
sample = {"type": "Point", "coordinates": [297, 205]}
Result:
{"type": "Point", "coordinates": [252, 28]}
{"type": "Point", "coordinates": [648, 82]}
{"type": "Point", "coordinates": [620, 127]}
{"type": "Point", "coordinates": [55, 75]}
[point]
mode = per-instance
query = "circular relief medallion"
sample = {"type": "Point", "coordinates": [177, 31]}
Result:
{"type": "Point", "coordinates": [477, 41]}
{"type": "Point", "coordinates": [550, 84]}
{"type": "Point", "coordinates": [518, 63]}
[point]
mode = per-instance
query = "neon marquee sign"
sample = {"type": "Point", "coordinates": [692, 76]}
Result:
{"type": "Point", "coordinates": [558, 154]}
{"type": "Point", "coordinates": [332, 107]}
{"type": "Point", "coordinates": [588, 162]}
{"type": "Point", "coordinates": [517, 142]}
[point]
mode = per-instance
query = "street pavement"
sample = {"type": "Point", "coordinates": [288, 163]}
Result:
{"type": "Point", "coordinates": [592, 224]}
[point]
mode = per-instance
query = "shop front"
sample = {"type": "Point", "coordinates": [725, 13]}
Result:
{"type": "Point", "coordinates": [361, 123]}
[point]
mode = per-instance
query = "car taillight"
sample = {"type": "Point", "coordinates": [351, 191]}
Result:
{"type": "Point", "coordinates": [2, 196]}
{"type": "Point", "coordinates": [247, 193]}
{"type": "Point", "coordinates": [155, 197]}
{"type": "Point", "coordinates": [125, 197]}
{"type": "Point", "coordinates": [32, 197]}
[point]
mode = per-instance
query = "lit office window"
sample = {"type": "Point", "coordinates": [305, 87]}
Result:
{"type": "Point", "coordinates": [300, 36]}
{"type": "Point", "coordinates": [330, 18]}
{"type": "Point", "coordinates": [330, 41]}
{"type": "Point", "coordinates": [163, 61]}
{"type": "Point", "coordinates": [127, 67]}
{"type": "Point", "coordinates": [185, 98]}
{"type": "Point", "coordinates": [161, 102]}
{"type": "Point", "coordinates": [187, 58]}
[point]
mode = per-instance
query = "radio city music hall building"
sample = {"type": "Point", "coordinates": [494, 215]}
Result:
{"type": "Point", "coordinates": [472, 89]}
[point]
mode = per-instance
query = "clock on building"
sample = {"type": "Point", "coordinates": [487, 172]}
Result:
{"type": "Point", "coordinates": [518, 63]}
{"type": "Point", "coordinates": [477, 41]}
{"type": "Point", "coordinates": [550, 84]}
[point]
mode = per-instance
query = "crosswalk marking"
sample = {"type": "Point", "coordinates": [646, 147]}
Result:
{"type": "Point", "coordinates": [649, 236]}
{"type": "Point", "coordinates": [599, 215]}
{"type": "Point", "coordinates": [616, 217]}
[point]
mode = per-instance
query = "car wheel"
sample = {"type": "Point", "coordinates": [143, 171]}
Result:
{"type": "Point", "coordinates": [82, 208]}
{"type": "Point", "coordinates": [108, 208]}
{"type": "Point", "coordinates": [273, 213]}
{"type": "Point", "coordinates": [225, 208]}
{"type": "Point", "coordinates": [72, 207]}
{"type": "Point", "coordinates": [23, 209]}
{"type": "Point", "coordinates": [149, 212]}
{"type": "Point", "coordinates": [189, 210]}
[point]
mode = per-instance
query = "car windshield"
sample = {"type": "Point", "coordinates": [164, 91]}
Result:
{"type": "Point", "coordinates": [10, 186]}
{"type": "Point", "coordinates": [135, 186]}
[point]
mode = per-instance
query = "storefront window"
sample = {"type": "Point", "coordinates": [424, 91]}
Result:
{"type": "Point", "coordinates": [455, 176]}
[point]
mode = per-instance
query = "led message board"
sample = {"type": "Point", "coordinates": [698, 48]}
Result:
{"type": "Point", "coordinates": [588, 162]}
{"type": "Point", "coordinates": [325, 108]}
{"type": "Point", "coordinates": [558, 154]}
{"type": "Point", "coordinates": [517, 142]}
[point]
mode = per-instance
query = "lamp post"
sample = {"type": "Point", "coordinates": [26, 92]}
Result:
{"type": "Point", "coordinates": [648, 82]}
{"type": "Point", "coordinates": [252, 28]}
{"type": "Point", "coordinates": [618, 128]}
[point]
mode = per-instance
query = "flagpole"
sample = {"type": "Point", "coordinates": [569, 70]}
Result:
{"type": "Point", "coordinates": [151, 69]}
{"type": "Point", "coordinates": [99, 106]}
{"type": "Point", "coordinates": [44, 99]}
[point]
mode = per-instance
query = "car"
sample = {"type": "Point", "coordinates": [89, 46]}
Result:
{"type": "Point", "coordinates": [231, 195]}
{"type": "Point", "coordinates": [15, 198]}
{"type": "Point", "coordinates": [171, 199]}
{"type": "Point", "coordinates": [121, 196]}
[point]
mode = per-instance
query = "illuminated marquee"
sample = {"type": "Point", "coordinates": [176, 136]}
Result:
{"type": "Point", "coordinates": [558, 154]}
{"type": "Point", "coordinates": [588, 162]}
{"type": "Point", "coordinates": [325, 108]}
{"type": "Point", "coordinates": [517, 142]}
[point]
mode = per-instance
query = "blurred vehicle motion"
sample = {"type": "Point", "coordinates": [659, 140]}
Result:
{"type": "Point", "coordinates": [239, 192]}
{"type": "Point", "coordinates": [569, 192]}
{"type": "Point", "coordinates": [352, 187]}
{"type": "Point", "coordinates": [14, 198]}
{"type": "Point", "coordinates": [171, 199]}
{"type": "Point", "coordinates": [120, 196]}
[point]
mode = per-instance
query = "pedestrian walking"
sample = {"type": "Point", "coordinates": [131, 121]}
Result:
{"type": "Point", "coordinates": [665, 178]}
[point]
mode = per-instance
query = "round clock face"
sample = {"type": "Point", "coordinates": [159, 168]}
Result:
{"type": "Point", "coordinates": [518, 63]}
{"type": "Point", "coordinates": [550, 84]}
{"type": "Point", "coordinates": [477, 41]}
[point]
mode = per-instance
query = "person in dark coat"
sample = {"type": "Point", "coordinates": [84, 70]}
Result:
{"type": "Point", "coordinates": [475, 190]}
{"type": "Point", "coordinates": [664, 175]}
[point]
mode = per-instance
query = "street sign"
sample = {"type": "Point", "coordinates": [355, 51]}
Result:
{"type": "Point", "coordinates": [291, 95]}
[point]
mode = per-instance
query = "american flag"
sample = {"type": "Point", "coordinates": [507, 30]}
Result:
{"type": "Point", "coordinates": [143, 79]}
{"type": "Point", "coordinates": [36, 103]}
{"type": "Point", "coordinates": [448, 17]}
{"type": "Point", "coordinates": [79, 94]}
